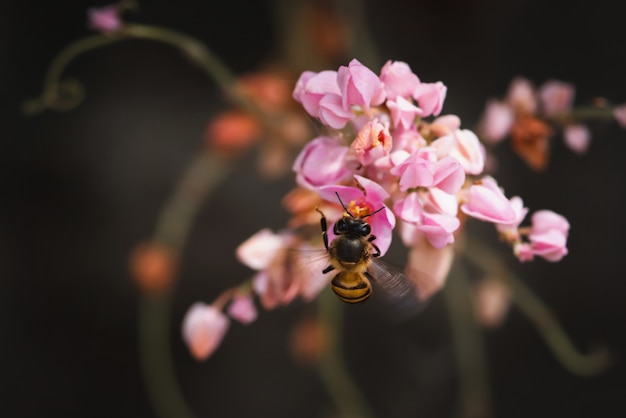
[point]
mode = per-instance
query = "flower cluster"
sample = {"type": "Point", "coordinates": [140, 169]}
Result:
{"type": "Point", "coordinates": [529, 116]}
{"type": "Point", "coordinates": [389, 154]}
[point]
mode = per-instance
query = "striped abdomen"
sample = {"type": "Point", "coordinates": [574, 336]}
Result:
{"type": "Point", "coordinates": [351, 287]}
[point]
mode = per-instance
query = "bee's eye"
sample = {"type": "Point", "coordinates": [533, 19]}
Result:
{"type": "Point", "coordinates": [341, 225]}
{"type": "Point", "coordinates": [365, 229]}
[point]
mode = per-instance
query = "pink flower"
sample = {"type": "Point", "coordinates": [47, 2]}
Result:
{"type": "Point", "coordinates": [509, 231]}
{"type": "Point", "coordinates": [550, 245]}
{"type": "Point", "coordinates": [448, 175]}
{"type": "Point", "coordinates": [438, 228]}
{"type": "Point", "coordinates": [556, 97]}
{"type": "Point", "coordinates": [521, 96]}
{"type": "Point", "coordinates": [468, 151]}
{"type": "Point", "coordinates": [523, 251]}
{"type": "Point", "coordinates": [398, 80]}
{"type": "Point", "coordinates": [546, 220]}
{"type": "Point", "coordinates": [367, 198]}
{"type": "Point", "coordinates": [428, 267]}
{"type": "Point", "coordinates": [332, 113]}
{"type": "Point", "coordinates": [403, 113]}
{"type": "Point", "coordinates": [372, 142]}
{"type": "Point", "coordinates": [438, 201]}
{"type": "Point", "coordinates": [312, 87]}
{"type": "Point", "coordinates": [548, 237]}
{"type": "Point", "coordinates": [485, 201]}
{"type": "Point", "coordinates": [619, 113]}
{"type": "Point", "coordinates": [321, 162]}
{"type": "Point", "coordinates": [416, 170]}
{"type": "Point", "coordinates": [496, 121]}
{"type": "Point", "coordinates": [430, 97]}
{"type": "Point", "coordinates": [242, 309]}
{"type": "Point", "coordinates": [409, 209]}
{"type": "Point", "coordinates": [359, 86]}
{"type": "Point", "coordinates": [491, 302]}
{"type": "Point", "coordinates": [269, 254]}
{"type": "Point", "coordinates": [299, 92]}
{"type": "Point", "coordinates": [577, 138]}
{"type": "Point", "coordinates": [257, 251]}
{"type": "Point", "coordinates": [105, 19]}
{"type": "Point", "coordinates": [204, 327]}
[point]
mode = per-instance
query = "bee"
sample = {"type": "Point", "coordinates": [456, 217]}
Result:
{"type": "Point", "coordinates": [353, 254]}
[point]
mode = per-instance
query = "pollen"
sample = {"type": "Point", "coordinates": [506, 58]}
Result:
{"type": "Point", "coordinates": [359, 209]}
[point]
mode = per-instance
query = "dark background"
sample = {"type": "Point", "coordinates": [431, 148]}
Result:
{"type": "Point", "coordinates": [81, 188]}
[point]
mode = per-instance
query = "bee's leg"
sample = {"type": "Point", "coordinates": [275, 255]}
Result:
{"type": "Point", "coordinates": [376, 249]}
{"type": "Point", "coordinates": [327, 269]}
{"type": "Point", "coordinates": [324, 229]}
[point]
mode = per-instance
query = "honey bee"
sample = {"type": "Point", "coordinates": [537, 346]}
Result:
{"type": "Point", "coordinates": [354, 254]}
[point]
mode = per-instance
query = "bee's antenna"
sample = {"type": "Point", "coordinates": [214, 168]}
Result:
{"type": "Point", "coordinates": [372, 213]}
{"type": "Point", "coordinates": [343, 206]}
{"type": "Point", "coordinates": [360, 217]}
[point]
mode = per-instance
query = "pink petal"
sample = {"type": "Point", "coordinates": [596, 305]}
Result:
{"type": "Point", "coordinates": [428, 267]}
{"type": "Point", "coordinates": [556, 97]}
{"type": "Point", "coordinates": [242, 309]}
{"type": "Point", "coordinates": [203, 329]}
{"type": "Point", "coordinates": [496, 121]}
{"type": "Point", "coordinates": [358, 85]}
{"type": "Point", "coordinates": [577, 138]}
{"type": "Point", "coordinates": [449, 175]}
{"type": "Point", "coordinates": [258, 250]}
{"type": "Point", "coordinates": [398, 79]}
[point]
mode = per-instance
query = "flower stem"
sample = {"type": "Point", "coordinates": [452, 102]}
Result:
{"type": "Point", "coordinates": [54, 87]}
{"type": "Point", "coordinates": [543, 318]}
{"type": "Point", "coordinates": [155, 357]}
{"type": "Point", "coordinates": [204, 173]}
{"type": "Point", "coordinates": [344, 391]}
{"type": "Point", "coordinates": [468, 344]}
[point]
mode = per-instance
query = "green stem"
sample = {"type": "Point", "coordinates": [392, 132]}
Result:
{"type": "Point", "coordinates": [468, 345]}
{"type": "Point", "coordinates": [203, 175]}
{"type": "Point", "coordinates": [543, 318]}
{"type": "Point", "coordinates": [344, 391]}
{"type": "Point", "coordinates": [198, 52]}
{"type": "Point", "coordinates": [174, 224]}
{"type": "Point", "coordinates": [155, 356]}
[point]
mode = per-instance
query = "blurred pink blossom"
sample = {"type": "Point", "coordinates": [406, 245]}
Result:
{"type": "Point", "coordinates": [620, 115]}
{"type": "Point", "coordinates": [242, 309]}
{"type": "Point", "coordinates": [556, 97]}
{"type": "Point", "coordinates": [491, 302]}
{"type": "Point", "coordinates": [522, 96]}
{"type": "Point", "coordinates": [203, 328]}
{"type": "Point", "coordinates": [105, 19]}
{"type": "Point", "coordinates": [551, 245]}
{"type": "Point", "coordinates": [545, 220]}
{"type": "Point", "coordinates": [577, 137]}
{"type": "Point", "coordinates": [428, 267]}
{"type": "Point", "coordinates": [496, 121]}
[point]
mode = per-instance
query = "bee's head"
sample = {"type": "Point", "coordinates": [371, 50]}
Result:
{"type": "Point", "coordinates": [348, 224]}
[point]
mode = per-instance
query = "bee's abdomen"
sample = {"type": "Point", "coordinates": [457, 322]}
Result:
{"type": "Point", "coordinates": [351, 287]}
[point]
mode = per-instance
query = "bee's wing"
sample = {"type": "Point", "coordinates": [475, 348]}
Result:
{"type": "Point", "coordinates": [307, 265]}
{"type": "Point", "coordinates": [396, 286]}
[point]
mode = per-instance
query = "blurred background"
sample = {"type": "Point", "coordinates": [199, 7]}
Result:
{"type": "Point", "coordinates": [80, 189]}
